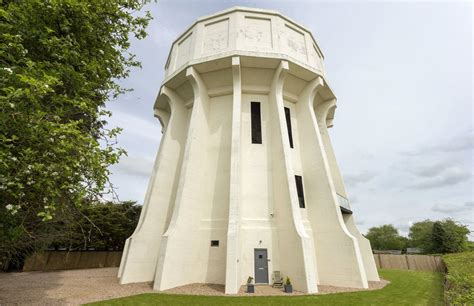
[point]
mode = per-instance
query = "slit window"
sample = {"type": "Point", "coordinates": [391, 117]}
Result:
{"type": "Point", "coordinates": [299, 189]}
{"type": "Point", "coordinates": [288, 126]}
{"type": "Point", "coordinates": [256, 122]}
{"type": "Point", "coordinates": [214, 243]}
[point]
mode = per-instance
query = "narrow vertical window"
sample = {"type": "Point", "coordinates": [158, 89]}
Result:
{"type": "Point", "coordinates": [288, 125]}
{"type": "Point", "coordinates": [299, 189]}
{"type": "Point", "coordinates": [256, 122]}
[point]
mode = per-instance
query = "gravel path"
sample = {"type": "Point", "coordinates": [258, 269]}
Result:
{"type": "Point", "coordinates": [215, 289]}
{"type": "Point", "coordinates": [69, 287]}
{"type": "Point", "coordinates": [75, 287]}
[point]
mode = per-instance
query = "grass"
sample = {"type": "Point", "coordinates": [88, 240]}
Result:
{"type": "Point", "coordinates": [406, 288]}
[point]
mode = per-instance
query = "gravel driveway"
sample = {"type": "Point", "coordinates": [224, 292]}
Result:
{"type": "Point", "coordinates": [65, 287]}
{"type": "Point", "coordinates": [82, 286]}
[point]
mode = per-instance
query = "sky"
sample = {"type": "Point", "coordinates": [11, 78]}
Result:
{"type": "Point", "coordinates": [403, 76]}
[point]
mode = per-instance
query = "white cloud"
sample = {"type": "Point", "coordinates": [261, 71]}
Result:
{"type": "Point", "coordinates": [137, 126]}
{"type": "Point", "coordinates": [461, 142]}
{"type": "Point", "coordinates": [453, 209]}
{"type": "Point", "coordinates": [441, 177]}
{"type": "Point", "coordinates": [137, 166]}
{"type": "Point", "coordinates": [358, 178]}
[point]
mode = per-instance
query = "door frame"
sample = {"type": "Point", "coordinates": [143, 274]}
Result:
{"type": "Point", "coordinates": [255, 266]}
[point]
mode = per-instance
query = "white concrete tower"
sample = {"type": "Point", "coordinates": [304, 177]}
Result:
{"type": "Point", "coordinates": [246, 181]}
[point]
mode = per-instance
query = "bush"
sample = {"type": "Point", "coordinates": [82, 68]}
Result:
{"type": "Point", "coordinates": [460, 277]}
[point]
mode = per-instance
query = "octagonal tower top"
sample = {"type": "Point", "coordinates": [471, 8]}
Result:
{"type": "Point", "coordinates": [246, 32]}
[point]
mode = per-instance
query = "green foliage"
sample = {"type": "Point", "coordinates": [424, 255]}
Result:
{"type": "Point", "coordinates": [385, 237]}
{"type": "Point", "coordinates": [59, 64]}
{"type": "Point", "coordinates": [102, 226]}
{"type": "Point", "coordinates": [287, 281]}
{"type": "Point", "coordinates": [405, 288]}
{"type": "Point", "coordinates": [445, 236]}
{"type": "Point", "coordinates": [460, 277]}
{"type": "Point", "coordinates": [437, 237]}
{"type": "Point", "coordinates": [98, 226]}
{"type": "Point", "coordinates": [420, 235]}
{"type": "Point", "coordinates": [470, 245]}
{"type": "Point", "coordinates": [455, 237]}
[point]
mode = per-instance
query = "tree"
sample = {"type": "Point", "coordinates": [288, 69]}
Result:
{"type": "Point", "coordinates": [451, 239]}
{"type": "Point", "coordinates": [437, 238]}
{"type": "Point", "coordinates": [420, 235]}
{"type": "Point", "coordinates": [106, 226]}
{"type": "Point", "coordinates": [385, 237]}
{"type": "Point", "coordinates": [447, 236]}
{"type": "Point", "coordinates": [98, 226]}
{"type": "Point", "coordinates": [59, 63]}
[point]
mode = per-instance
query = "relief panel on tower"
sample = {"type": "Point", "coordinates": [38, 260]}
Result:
{"type": "Point", "coordinates": [184, 51]}
{"type": "Point", "coordinates": [296, 44]}
{"type": "Point", "coordinates": [216, 36]}
{"type": "Point", "coordinates": [257, 33]}
{"type": "Point", "coordinates": [315, 59]}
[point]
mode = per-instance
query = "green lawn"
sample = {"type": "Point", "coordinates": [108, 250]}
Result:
{"type": "Point", "coordinates": [406, 288]}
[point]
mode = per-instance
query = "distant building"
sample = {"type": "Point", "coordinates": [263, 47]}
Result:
{"type": "Point", "coordinates": [393, 252]}
{"type": "Point", "coordinates": [414, 250]}
{"type": "Point", "coordinates": [246, 181]}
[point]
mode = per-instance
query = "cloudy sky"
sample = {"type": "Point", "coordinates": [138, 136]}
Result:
{"type": "Point", "coordinates": [403, 75]}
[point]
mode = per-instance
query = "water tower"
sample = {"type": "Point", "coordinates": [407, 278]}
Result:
{"type": "Point", "coordinates": [246, 181]}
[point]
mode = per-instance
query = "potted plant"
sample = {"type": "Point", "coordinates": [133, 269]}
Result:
{"type": "Point", "coordinates": [288, 286]}
{"type": "Point", "coordinates": [250, 285]}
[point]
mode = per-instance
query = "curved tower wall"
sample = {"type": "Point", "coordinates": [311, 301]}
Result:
{"type": "Point", "coordinates": [210, 181]}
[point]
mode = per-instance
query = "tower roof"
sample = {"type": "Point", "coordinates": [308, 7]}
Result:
{"type": "Point", "coordinates": [244, 31]}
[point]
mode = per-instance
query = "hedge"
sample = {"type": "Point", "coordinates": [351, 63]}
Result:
{"type": "Point", "coordinates": [460, 278]}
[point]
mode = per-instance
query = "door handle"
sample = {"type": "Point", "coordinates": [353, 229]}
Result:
{"type": "Point", "coordinates": [261, 268]}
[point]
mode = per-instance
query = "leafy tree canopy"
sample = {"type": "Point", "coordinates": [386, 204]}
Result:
{"type": "Point", "coordinates": [99, 226]}
{"type": "Point", "coordinates": [59, 63]}
{"type": "Point", "coordinates": [385, 237]}
{"type": "Point", "coordinates": [448, 236]}
{"type": "Point", "coordinates": [104, 226]}
{"type": "Point", "coordinates": [420, 235]}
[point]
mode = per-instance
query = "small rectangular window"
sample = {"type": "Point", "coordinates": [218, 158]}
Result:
{"type": "Point", "coordinates": [299, 189]}
{"type": "Point", "coordinates": [256, 122]}
{"type": "Point", "coordinates": [288, 126]}
{"type": "Point", "coordinates": [214, 243]}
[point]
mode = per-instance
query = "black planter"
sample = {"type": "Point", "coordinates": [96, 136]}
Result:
{"type": "Point", "coordinates": [288, 288]}
{"type": "Point", "coordinates": [250, 288]}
